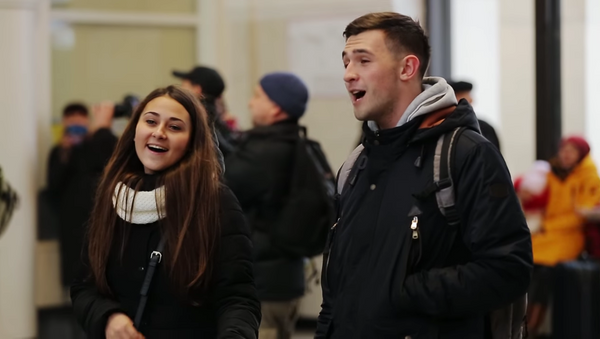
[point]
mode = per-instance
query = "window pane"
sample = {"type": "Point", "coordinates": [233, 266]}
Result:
{"type": "Point", "coordinates": [108, 62]}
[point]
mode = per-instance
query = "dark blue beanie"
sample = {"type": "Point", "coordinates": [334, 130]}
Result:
{"type": "Point", "coordinates": [287, 91]}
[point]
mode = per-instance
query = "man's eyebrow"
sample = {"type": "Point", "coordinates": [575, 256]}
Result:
{"type": "Point", "coordinates": [357, 51]}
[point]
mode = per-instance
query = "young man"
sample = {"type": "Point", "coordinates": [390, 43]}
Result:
{"type": "Point", "coordinates": [395, 267]}
{"type": "Point", "coordinates": [260, 175]}
{"type": "Point", "coordinates": [463, 89]}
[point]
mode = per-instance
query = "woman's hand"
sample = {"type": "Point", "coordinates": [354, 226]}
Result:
{"type": "Point", "coordinates": [119, 326]}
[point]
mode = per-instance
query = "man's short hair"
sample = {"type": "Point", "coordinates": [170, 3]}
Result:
{"type": "Point", "coordinates": [75, 109]}
{"type": "Point", "coordinates": [402, 33]}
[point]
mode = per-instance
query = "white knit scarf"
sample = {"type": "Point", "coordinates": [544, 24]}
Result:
{"type": "Point", "coordinates": [145, 205]}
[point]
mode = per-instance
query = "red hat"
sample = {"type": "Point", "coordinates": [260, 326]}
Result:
{"type": "Point", "coordinates": [582, 146]}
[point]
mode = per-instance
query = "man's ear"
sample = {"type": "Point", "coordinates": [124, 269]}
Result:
{"type": "Point", "coordinates": [197, 89]}
{"type": "Point", "coordinates": [409, 67]}
{"type": "Point", "coordinates": [278, 114]}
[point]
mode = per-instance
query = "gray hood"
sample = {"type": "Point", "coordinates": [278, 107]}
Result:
{"type": "Point", "coordinates": [436, 95]}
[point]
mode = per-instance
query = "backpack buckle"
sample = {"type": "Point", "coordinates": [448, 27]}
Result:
{"type": "Point", "coordinates": [156, 253]}
{"type": "Point", "coordinates": [442, 184]}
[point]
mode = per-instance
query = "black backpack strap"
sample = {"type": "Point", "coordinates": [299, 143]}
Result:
{"type": "Point", "coordinates": [155, 259]}
{"type": "Point", "coordinates": [442, 175]}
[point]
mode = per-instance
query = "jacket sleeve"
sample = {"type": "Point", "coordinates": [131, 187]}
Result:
{"type": "Point", "coordinates": [91, 308]}
{"type": "Point", "coordinates": [238, 308]}
{"type": "Point", "coordinates": [494, 230]}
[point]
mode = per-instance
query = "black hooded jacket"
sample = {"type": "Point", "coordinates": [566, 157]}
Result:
{"type": "Point", "coordinates": [380, 283]}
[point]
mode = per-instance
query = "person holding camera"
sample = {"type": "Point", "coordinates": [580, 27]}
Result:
{"type": "Point", "coordinates": [75, 165]}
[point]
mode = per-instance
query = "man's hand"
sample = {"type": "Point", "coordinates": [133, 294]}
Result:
{"type": "Point", "coordinates": [119, 326]}
{"type": "Point", "coordinates": [102, 115]}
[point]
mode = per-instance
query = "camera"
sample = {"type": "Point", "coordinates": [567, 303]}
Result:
{"type": "Point", "coordinates": [125, 108]}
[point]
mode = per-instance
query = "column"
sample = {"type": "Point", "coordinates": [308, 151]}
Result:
{"type": "Point", "coordinates": [19, 160]}
{"type": "Point", "coordinates": [548, 78]}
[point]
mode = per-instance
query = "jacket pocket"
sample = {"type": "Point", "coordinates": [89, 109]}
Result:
{"type": "Point", "coordinates": [416, 245]}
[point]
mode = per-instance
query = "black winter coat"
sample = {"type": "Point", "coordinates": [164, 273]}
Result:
{"type": "Point", "coordinates": [378, 282]}
{"type": "Point", "coordinates": [229, 309]}
{"type": "Point", "coordinates": [72, 186]}
{"type": "Point", "coordinates": [259, 173]}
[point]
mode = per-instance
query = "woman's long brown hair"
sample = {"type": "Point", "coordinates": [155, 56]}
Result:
{"type": "Point", "coordinates": [191, 201]}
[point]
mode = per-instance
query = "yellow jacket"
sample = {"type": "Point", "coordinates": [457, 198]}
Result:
{"type": "Point", "coordinates": [561, 238]}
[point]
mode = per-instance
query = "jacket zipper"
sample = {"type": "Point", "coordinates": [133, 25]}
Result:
{"type": "Point", "coordinates": [414, 226]}
{"type": "Point", "coordinates": [330, 246]}
{"type": "Point", "coordinates": [415, 241]}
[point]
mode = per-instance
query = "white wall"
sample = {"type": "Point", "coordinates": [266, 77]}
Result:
{"type": "Point", "coordinates": [517, 83]}
{"type": "Point", "coordinates": [592, 72]}
{"type": "Point", "coordinates": [476, 54]}
{"type": "Point", "coordinates": [493, 47]}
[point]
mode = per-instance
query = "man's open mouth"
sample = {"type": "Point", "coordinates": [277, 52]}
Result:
{"type": "Point", "coordinates": [358, 95]}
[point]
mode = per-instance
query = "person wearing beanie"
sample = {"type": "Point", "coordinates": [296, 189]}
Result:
{"type": "Point", "coordinates": [573, 185]}
{"type": "Point", "coordinates": [259, 172]}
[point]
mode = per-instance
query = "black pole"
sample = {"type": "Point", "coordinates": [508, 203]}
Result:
{"type": "Point", "coordinates": [438, 29]}
{"type": "Point", "coordinates": [547, 78]}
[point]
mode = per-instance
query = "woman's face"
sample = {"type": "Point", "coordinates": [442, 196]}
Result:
{"type": "Point", "coordinates": [568, 155]}
{"type": "Point", "coordinates": [162, 134]}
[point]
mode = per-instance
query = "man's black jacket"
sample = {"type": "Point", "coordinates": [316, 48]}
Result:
{"type": "Point", "coordinates": [379, 282]}
{"type": "Point", "coordinates": [259, 172]}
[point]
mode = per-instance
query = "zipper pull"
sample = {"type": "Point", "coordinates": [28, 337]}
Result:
{"type": "Point", "coordinates": [414, 226]}
{"type": "Point", "coordinates": [335, 225]}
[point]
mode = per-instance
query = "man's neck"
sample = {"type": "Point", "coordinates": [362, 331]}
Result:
{"type": "Point", "coordinates": [390, 119]}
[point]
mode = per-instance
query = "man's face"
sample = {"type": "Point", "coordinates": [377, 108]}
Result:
{"type": "Point", "coordinates": [75, 127]}
{"type": "Point", "coordinates": [464, 95]}
{"type": "Point", "coordinates": [192, 87]}
{"type": "Point", "coordinates": [262, 109]}
{"type": "Point", "coordinates": [372, 75]}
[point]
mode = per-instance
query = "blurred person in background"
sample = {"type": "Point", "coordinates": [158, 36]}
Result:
{"type": "Point", "coordinates": [463, 89]}
{"type": "Point", "coordinates": [208, 86]}
{"type": "Point", "coordinates": [260, 174]}
{"type": "Point", "coordinates": [74, 168]}
{"type": "Point", "coordinates": [75, 123]}
{"type": "Point", "coordinates": [162, 188]}
{"type": "Point", "coordinates": [572, 184]}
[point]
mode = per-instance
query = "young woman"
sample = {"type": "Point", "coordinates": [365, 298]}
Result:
{"type": "Point", "coordinates": [162, 183]}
